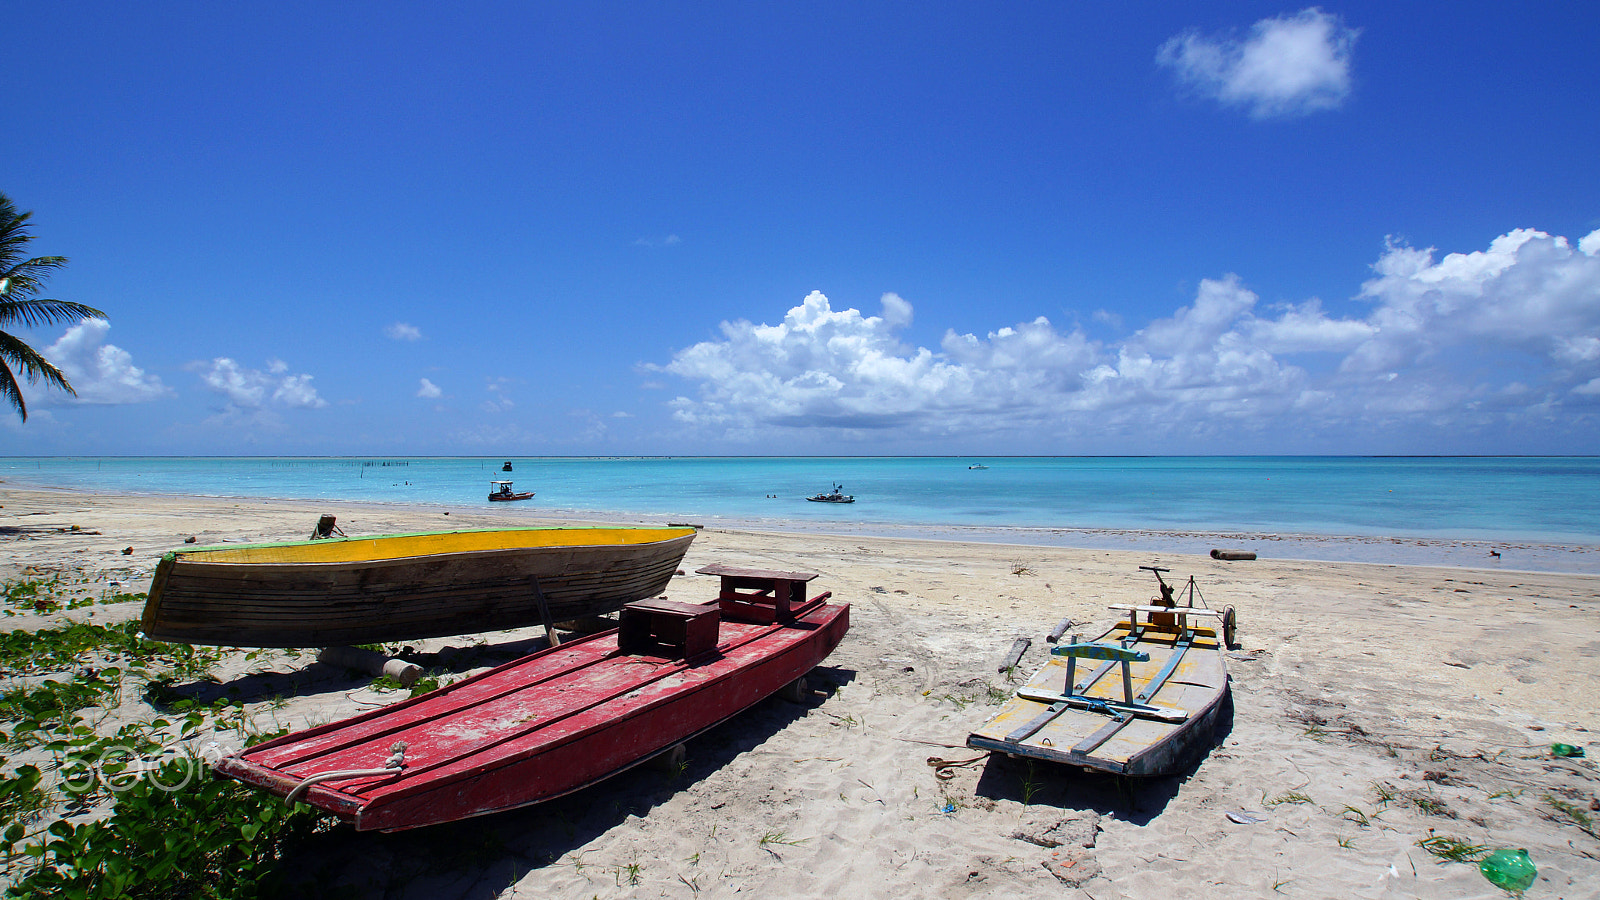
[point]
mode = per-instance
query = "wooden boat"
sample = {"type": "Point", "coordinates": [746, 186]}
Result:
{"type": "Point", "coordinates": [501, 490]}
{"type": "Point", "coordinates": [558, 720]}
{"type": "Point", "coordinates": [399, 587]}
{"type": "Point", "coordinates": [837, 495]}
{"type": "Point", "coordinates": [1148, 708]}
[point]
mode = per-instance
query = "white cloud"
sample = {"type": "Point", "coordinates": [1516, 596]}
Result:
{"type": "Point", "coordinates": [252, 389]}
{"type": "Point", "coordinates": [428, 390]}
{"type": "Point", "coordinates": [1287, 66]}
{"type": "Point", "coordinates": [1485, 339]}
{"type": "Point", "coordinates": [401, 331]}
{"type": "Point", "coordinates": [101, 373]}
{"type": "Point", "coordinates": [670, 240]}
{"type": "Point", "coordinates": [498, 401]}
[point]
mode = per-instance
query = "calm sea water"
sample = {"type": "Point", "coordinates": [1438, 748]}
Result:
{"type": "Point", "coordinates": [1165, 502]}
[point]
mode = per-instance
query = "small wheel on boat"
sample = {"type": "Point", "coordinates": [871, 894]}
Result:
{"type": "Point", "coordinates": [796, 691]}
{"type": "Point", "coordinates": [1230, 629]}
{"type": "Point", "coordinates": [671, 760]}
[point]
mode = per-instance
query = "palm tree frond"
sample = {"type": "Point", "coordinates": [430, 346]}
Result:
{"type": "Point", "coordinates": [11, 392]}
{"type": "Point", "coordinates": [20, 280]}
{"type": "Point", "coordinates": [33, 313]}
{"type": "Point", "coordinates": [16, 355]}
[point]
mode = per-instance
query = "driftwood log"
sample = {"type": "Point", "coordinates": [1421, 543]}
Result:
{"type": "Point", "coordinates": [1233, 554]}
{"type": "Point", "coordinates": [371, 663]}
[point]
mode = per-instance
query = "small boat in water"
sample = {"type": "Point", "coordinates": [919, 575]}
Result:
{"type": "Point", "coordinates": [837, 495]}
{"type": "Point", "coordinates": [560, 719]}
{"type": "Point", "coordinates": [978, 466]}
{"type": "Point", "coordinates": [506, 467]}
{"type": "Point", "coordinates": [1148, 708]}
{"type": "Point", "coordinates": [364, 590]}
{"type": "Point", "coordinates": [501, 490]}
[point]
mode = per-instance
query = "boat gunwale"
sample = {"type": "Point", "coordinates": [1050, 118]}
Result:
{"type": "Point", "coordinates": [192, 555]}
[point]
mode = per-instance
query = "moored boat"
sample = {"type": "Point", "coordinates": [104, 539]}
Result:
{"type": "Point", "coordinates": [560, 719]}
{"type": "Point", "coordinates": [399, 587]}
{"type": "Point", "coordinates": [837, 495]}
{"type": "Point", "coordinates": [1148, 707]}
{"type": "Point", "coordinates": [501, 490]}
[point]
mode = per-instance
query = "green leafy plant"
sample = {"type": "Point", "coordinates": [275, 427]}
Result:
{"type": "Point", "coordinates": [21, 798]}
{"type": "Point", "coordinates": [1289, 797]}
{"type": "Point", "coordinates": [214, 838]}
{"type": "Point", "coordinates": [1452, 849]}
{"type": "Point", "coordinates": [1574, 813]}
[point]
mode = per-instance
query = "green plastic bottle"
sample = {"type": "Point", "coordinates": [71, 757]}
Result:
{"type": "Point", "coordinates": [1566, 751]}
{"type": "Point", "coordinates": [1510, 870]}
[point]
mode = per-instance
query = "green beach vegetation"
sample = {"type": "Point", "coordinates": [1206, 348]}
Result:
{"type": "Point", "coordinates": [101, 807]}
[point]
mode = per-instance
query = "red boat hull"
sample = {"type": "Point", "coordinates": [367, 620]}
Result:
{"type": "Point", "coordinates": [540, 727]}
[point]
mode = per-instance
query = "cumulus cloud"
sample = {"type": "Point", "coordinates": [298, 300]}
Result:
{"type": "Point", "coordinates": [427, 390]}
{"type": "Point", "coordinates": [101, 373]}
{"type": "Point", "coordinates": [402, 331]}
{"type": "Point", "coordinates": [1286, 66]}
{"type": "Point", "coordinates": [1507, 335]}
{"type": "Point", "coordinates": [248, 390]}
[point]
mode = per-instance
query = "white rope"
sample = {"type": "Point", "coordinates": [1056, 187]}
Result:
{"type": "Point", "coordinates": [394, 766]}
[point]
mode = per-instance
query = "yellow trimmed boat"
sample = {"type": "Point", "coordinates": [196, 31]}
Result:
{"type": "Point", "coordinates": [1139, 700]}
{"type": "Point", "coordinates": [361, 590]}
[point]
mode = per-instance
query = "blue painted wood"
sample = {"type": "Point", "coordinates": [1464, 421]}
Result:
{"type": "Point", "coordinates": [1110, 652]}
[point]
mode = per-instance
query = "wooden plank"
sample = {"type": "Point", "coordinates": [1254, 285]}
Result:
{"type": "Point", "coordinates": [1111, 652]}
{"type": "Point", "coordinates": [731, 571]}
{"type": "Point", "coordinates": [1144, 710]}
{"type": "Point", "coordinates": [1088, 744]}
{"type": "Point", "coordinates": [1014, 655]}
{"type": "Point", "coordinates": [1178, 610]}
{"type": "Point", "coordinates": [1033, 725]}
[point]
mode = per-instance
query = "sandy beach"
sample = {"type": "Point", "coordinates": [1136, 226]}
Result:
{"type": "Point", "coordinates": [1373, 706]}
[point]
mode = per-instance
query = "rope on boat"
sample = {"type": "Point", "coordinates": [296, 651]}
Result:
{"type": "Point", "coordinates": [394, 766]}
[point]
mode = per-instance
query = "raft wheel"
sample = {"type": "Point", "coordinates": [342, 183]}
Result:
{"type": "Point", "coordinates": [1230, 629]}
{"type": "Point", "coordinates": [796, 691]}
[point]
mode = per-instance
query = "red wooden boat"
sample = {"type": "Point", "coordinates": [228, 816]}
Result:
{"type": "Point", "coordinates": [560, 719]}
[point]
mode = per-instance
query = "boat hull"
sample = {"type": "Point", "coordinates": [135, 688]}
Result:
{"type": "Point", "coordinates": [1144, 747]}
{"type": "Point", "coordinates": [404, 587]}
{"type": "Point", "coordinates": [540, 727]}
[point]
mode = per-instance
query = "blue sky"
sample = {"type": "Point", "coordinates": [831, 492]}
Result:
{"type": "Point", "coordinates": [823, 228]}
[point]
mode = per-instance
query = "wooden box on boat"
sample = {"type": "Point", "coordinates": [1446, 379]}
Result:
{"type": "Point", "coordinates": [400, 587]}
{"type": "Point", "coordinates": [547, 724]}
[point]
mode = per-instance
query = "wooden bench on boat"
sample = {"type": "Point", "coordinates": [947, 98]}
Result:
{"type": "Point", "coordinates": [680, 629]}
{"type": "Point", "coordinates": [761, 595]}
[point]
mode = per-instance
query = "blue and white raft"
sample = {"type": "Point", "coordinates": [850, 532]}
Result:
{"type": "Point", "coordinates": [1154, 716]}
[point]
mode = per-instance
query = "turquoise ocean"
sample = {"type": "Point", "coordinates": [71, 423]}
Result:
{"type": "Point", "coordinates": [1538, 513]}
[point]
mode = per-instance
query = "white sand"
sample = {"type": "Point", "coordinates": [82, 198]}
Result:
{"type": "Point", "coordinates": [1440, 689]}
